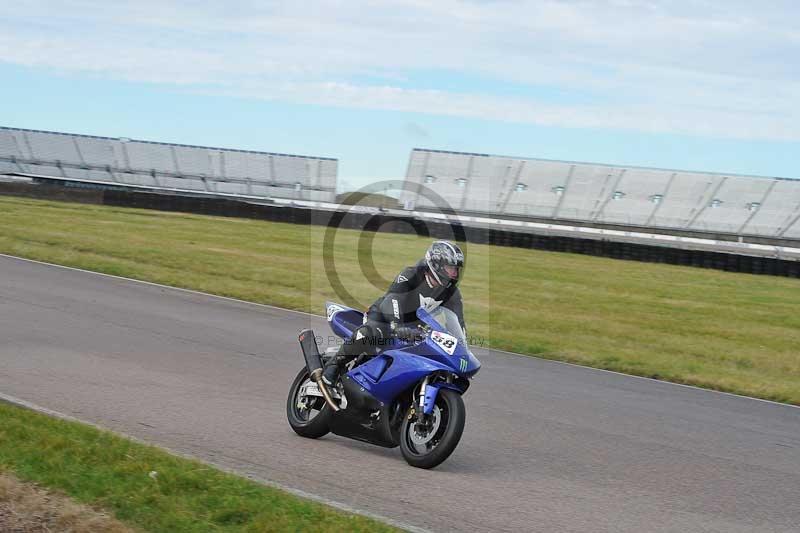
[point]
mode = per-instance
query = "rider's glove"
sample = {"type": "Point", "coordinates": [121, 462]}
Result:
{"type": "Point", "coordinates": [409, 333]}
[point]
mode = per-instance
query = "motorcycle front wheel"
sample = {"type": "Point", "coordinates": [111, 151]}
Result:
{"type": "Point", "coordinates": [309, 416]}
{"type": "Point", "coordinates": [428, 443]}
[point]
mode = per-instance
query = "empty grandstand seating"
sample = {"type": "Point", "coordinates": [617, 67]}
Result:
{"type": "Point", "coordinates": [167, 166]}
{"type": "Point", "coordinates": [605, 194]}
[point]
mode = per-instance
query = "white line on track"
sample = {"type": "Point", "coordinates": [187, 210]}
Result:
{"type": "Point", "coordinates": [321, 317]}
{"type": "Point", "coordinates": [297, 492]}
{"type": "Point", "coordinates": [160, 285]}
{"type": "Point", "coordinates": [672, 383]}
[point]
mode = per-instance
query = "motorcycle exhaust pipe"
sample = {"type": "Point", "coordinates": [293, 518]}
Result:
{"type": "Point", "coordinates": [317, 376]}
{"type": "Point", "coordinates": [314, 364]}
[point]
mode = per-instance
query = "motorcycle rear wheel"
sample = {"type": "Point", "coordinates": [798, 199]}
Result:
{"type": "Point", "coordinates": [428, 446]}
{"type": "Point", "coordinates": [306, 422]}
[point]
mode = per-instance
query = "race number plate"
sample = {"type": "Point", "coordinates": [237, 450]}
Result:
{"type": "Point", "coordinates": [444, 341]}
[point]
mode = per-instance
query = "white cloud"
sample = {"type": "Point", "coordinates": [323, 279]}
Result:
{"type": "Point", "coordinates": [717, 69]}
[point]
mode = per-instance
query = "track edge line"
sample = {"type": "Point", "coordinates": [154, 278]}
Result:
{"type": "Point", "coordinates": [18, 402]}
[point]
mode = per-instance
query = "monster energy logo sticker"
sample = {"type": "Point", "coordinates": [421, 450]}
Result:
{"type": "Point", "coordinates": [463, 365]}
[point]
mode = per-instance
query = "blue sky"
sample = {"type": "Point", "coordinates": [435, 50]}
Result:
{"type": "Point", "coordinates": [681, 84]}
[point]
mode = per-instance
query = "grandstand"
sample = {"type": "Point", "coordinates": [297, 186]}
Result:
{"type": "Point", "coordinates": [167, 167]}
{"type": "Point", "coordinates": [605, 195]}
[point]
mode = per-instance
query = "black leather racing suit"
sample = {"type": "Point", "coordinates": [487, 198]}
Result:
{"type": "Point", "coordinates": [409, 291]}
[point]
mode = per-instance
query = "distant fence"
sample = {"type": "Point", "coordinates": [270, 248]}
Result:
{"type": "Point", "coordinates": [391, 223]}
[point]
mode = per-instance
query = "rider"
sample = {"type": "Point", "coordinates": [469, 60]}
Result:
{"type": "Point", "coordinates": [428, 284]}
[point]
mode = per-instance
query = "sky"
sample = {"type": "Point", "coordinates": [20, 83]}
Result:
{"type": "Point", "coordinates": [687, 84]}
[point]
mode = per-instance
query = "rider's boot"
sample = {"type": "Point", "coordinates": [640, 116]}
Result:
{"type": "Point", "coordinates": [330, 374]}
{"type": "Point", "coordinates": [362, 341]}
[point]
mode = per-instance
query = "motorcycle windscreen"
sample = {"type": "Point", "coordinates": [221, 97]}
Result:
{"type": "Point", "coordinates": [444, 320]}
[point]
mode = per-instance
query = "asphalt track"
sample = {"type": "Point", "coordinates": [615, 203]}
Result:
{"type": "Point", "coordinates": [547, 447]}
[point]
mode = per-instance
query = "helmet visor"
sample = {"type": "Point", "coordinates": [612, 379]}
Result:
{"type": "Point", "coordinates": [452, 272]}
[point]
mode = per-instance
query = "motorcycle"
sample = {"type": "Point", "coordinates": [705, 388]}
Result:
{"type": "Point", "coordinates": [408, 395]}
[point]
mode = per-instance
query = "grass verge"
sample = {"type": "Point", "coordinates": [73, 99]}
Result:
{"type": "Point", "coordinates": [726, 331]}
{"type": "Point", "coordinates": [103, 470]}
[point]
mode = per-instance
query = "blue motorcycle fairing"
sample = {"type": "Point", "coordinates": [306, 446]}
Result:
{"type": "Point", "coordinates": [343, 320]}
{"type": "Point", "coordinates": [462, 361]}
{"type": "Point", "coordinates": [387, 375]}
{"type": "Point", "coordinates": [428, 349]}
{"type": "Point", "coordinates": [396, 370]}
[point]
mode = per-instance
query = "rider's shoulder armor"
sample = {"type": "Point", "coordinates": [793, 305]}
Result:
{"type": "Point", "coordinates": [406, 280]}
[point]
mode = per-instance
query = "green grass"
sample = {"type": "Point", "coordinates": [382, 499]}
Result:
{"type": "Point", "coordinates": [104, 470]}
{"type": "Point", "coordinates": [726, 331]}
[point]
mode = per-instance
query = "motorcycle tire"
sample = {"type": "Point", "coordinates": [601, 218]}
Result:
{"type": "Point", "coordinates": [451, 414]}
{"type": "Point", "coordinates": [313, 427]}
